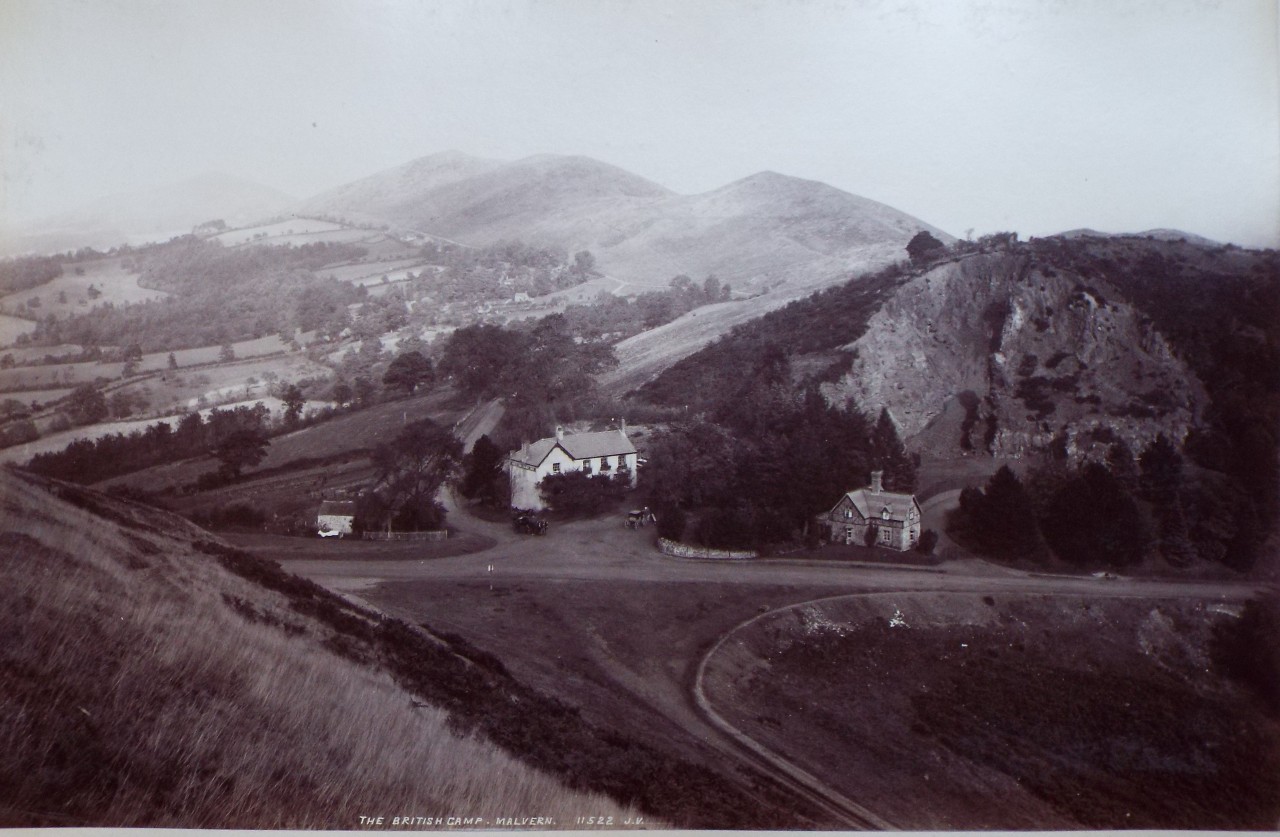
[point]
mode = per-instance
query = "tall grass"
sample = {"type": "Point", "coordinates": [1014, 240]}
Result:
{"type": "Point", "coordinates": [142, 684]}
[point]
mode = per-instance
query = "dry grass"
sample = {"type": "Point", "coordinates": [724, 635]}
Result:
{"type": "Point", "coordinates": [142, 684]}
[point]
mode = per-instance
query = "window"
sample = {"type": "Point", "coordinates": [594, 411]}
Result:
{"type": "Point", "coordinates": [555, 467]}
{"type": "Point", "coordinates": [848, 513]}
{"type": "Point", "coordinates": [604, 463]}
{"type": "Point", "coordinates": [886, 536]}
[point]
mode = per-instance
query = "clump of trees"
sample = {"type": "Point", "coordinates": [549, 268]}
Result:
{"type": "Point", "coordinates": [538, 369]}
{"type": "Point", "coordinates": [87, 461]}
{"type": "Point", "coordinates": [410, 470]}
{"type": "Point", "coordinates": [756, 474]}
{"type": "Point", "coordinates": [28, 272]}
{"type": "Point", "coordinates": [1112, 513]}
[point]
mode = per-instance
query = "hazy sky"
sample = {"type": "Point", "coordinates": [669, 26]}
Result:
{"type": "Point", "coordinates": [1032, 116]}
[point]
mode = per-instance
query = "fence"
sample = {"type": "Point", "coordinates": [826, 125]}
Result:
{"type": "Point", "coordinates": [436, 535]}
{"type": "Point", "coordinates": [684, 550]}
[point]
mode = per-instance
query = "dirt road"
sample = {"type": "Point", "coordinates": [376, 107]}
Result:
{"type": "Point", "coordinates": [593, 614]}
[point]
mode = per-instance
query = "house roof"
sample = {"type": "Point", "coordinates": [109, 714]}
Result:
{"type": "Point", "coordinates": [578, 446]}
{"type": "Point", "coordinates": [342, 508]}
{"type": "Point", "coordinates": [870, 503]}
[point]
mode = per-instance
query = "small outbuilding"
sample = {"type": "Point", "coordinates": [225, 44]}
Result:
{"type": "Point", "coordinates": [335, 518]}
{"type": "Point", "coordinates": [872, 516]}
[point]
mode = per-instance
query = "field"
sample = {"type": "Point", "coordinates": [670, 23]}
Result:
{"type": "Point", "coordinates": [370, 273]}
{"type": "Point", "coordinates": [972, 712]}
{"type": "Point", "coordinates": [339, 443]}
{"type": "Point", "coordinates": [118, 287]}
{"type": "Point", "coordinates": [12, 327]}
{"type": "Point", "coordinates": [270, 233]}
{"type": "Point", "coordinates": [155, 678]}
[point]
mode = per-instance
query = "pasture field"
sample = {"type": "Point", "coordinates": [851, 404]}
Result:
{"type": "Point", "coordinates": [11, 328]}
{"type": "Point", "coordinates": [118, 287]}
{"type": "Point", "coordinates": [241, 380]}
{"type": "Point", "coordinates": [43, 396]}
{"type": "Point", "coordinates": [270, 233]}
{"type": "Point", "coordinates": [34, 354]}
{"type": "Point", "coordinates": [345, 236]}
{"type": "Point", "coordinates": [57, 376]}
{"type": "Point", "coordinates": [365, 270]}
{"type": "Point", "coordinates": [329, 441]}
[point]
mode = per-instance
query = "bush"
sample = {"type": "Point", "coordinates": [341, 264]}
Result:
{"type": "Point", "coordinates": [575, 492]}
{"type": "Point", "coordinates": [928, 540]}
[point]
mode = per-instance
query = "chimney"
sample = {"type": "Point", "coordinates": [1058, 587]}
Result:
{"type": "Point", "coordinates": [624, 427]}
{"type": "Point", "coordinates": [876, 484]}
{"type": "Point", "coordinates": [559, 433]}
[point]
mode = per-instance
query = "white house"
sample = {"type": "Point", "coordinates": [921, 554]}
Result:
{"type": "Point", "coordinates": [873, 515]}
{"type": "Point", "coordinates": [606, 453]}
{"type": "Point", "coordinates": [335, 517]}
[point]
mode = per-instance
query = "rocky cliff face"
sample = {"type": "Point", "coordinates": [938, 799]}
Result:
{"type": "Point", "coordinates": [997, 353]}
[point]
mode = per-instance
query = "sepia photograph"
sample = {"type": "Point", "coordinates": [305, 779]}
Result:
{"type": "Point", "coordinates": [543, 415]}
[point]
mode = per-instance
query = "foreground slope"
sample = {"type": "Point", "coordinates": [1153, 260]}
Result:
{"type": "Point", "coordinates": [153, 677]}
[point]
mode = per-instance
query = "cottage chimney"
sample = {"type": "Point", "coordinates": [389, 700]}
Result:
{"type": "Point", "coordinates": [559, 433]}
{"type": "Point", "coordinates": [877, 478]}
{"type": "Point", "coordinates": [624, 426]}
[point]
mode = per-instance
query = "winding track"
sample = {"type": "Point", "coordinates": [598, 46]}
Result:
{"type": "Point", "coordinates": [597, 550]}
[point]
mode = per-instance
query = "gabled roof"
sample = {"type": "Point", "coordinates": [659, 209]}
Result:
{"type": "Point", "coordinates": [577, 446]}
{"type": "Point", "coordinates": [870, 503]}
{"type": "Point", "coordinates": [342, 508]}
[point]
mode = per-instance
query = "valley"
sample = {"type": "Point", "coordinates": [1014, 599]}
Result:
{"type": "Point", "coordinates": [766, 346]}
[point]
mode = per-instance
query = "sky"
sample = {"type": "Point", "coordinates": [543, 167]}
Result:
{"type": "Point", "coordinates": [1031, 115]}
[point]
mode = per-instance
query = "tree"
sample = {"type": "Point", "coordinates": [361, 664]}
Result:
{"type": "Point", "coordinates": [240, 449]}
{"type": "Point", "coordinates": [133, 352]}
{"type": "Point", "coordinates": [411, 469]}
{"type": "Point", "coordinates": [173, 361]}
{"type": "Point", "coordinates": [999, 520]}
{"type": "Point", "coordinates": [365, 390]}
{"type": "Point", "coordinates": [888, 454]}
{"type": "Point", "coordinates": [408, 371]}
{"type": "Point", "coordinates": [86, 405]}
{"type": "Point", "coordinates": [227, 353]}
{"type": "Point", "coordinates": [1093, 521]}
{"type": "Point", "coordinates": [923, 245]}
{"type": "Point", "coordinates": [341, 393]}
{"type": "Point", "coordinates": [293, 400]}
{"type": "Point", "coordinates": [584, 263]}
{"type": "Point", "coordinates": [483, 475]}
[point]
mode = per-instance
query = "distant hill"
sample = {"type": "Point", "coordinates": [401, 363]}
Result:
{"type": "Point", "coordinates": [1157, 234]}
{"type": "Point", "coordinates": [764, 230]}
{"type": "Point", "coordinates": [149, 215]}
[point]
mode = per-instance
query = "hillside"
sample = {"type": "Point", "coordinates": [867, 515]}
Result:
{"type": "Point", "coordinates": [1031, 351]}
{"type": "Point", "coordinates": [762, 231]}
{"type": "Point", "coordinates": [154, 677]}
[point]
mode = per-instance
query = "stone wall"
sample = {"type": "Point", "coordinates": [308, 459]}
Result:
{"type": "Point", "coordinates": [684, 550]}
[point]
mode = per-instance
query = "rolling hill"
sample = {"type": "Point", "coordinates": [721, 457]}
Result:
{"type": "Point", "coordinates": [758, 232]}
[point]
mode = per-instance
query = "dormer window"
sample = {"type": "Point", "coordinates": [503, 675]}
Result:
{"type": "Point", "coordinates": [884, 513]}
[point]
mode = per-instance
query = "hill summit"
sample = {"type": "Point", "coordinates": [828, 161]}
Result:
{"type": "Point", "coordinates": [764, 231]}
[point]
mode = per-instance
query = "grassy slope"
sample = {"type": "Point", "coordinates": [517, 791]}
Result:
{"type": "Point", "coordinates": [1007, 712]}
{"type": "Point", "coordinates": [152, 677]}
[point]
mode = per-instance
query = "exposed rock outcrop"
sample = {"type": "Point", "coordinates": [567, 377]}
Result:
{"type": "Point", "coordinates": [1019, 356]}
